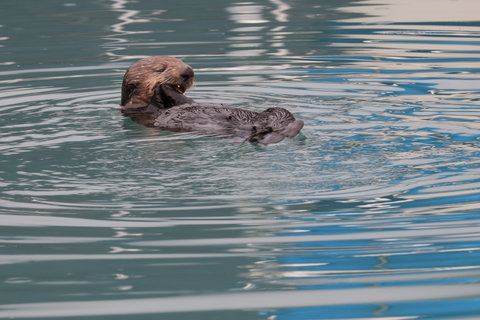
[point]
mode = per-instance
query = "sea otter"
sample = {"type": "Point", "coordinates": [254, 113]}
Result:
{"type": "Point", "coordinates": [153, 95]}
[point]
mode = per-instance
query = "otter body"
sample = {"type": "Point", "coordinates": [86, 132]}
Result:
{"type": "Point", "coordinates": [161, 103]}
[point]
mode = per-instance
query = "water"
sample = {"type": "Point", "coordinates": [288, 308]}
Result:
{"type": "Point", "coordinates": [372, 213]}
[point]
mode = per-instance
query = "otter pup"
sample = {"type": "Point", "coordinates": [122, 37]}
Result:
{"type": "Point", "coordinates": [153, 95]}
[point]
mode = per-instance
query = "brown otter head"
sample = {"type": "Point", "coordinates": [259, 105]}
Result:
{"type": "Point", "coordinates": [142, 77]}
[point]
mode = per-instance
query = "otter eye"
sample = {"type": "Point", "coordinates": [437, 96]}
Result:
{"type": "Point", "coordinates": [160, 70]}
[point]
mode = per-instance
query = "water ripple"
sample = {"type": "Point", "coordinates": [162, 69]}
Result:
{"type": "Point", "coordinates": [374, 206]}
{"type": "Point", "coordinates": [236, 301]}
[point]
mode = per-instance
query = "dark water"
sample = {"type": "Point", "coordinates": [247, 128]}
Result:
{"type": "Point", "coordinates": [372, 213]}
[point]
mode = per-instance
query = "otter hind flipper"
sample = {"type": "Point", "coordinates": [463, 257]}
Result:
{"type": "Point", "coordinates": [265, 137]}
{"type": "Point", "coordinates": [277, 123]}
{"type": "Point", "coordinates": [291, 129]}
{"type": "Point", "coordinates": [269, 136]}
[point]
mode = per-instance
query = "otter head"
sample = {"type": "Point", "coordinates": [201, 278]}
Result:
{"type": "Point", "coordinates": [143, 76]}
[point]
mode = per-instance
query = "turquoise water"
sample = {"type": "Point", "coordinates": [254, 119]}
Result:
{"type": "Point", "coordinates": [371, 213]}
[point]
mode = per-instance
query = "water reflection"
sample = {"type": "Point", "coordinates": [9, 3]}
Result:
{"type": "Point", "coordinates": [235, 301]}
{"type": "Point", "coordinates": [374, 208]}
{"type": "Point", "coordinates": [408, 11]}
{"type": "Point", "coordinates": [280, 13]}
{"type": "Point", "coordinates": [126, 17]}
{"type": "Point", "coordinates": [246, 13]}
{"type": "Point", "coordinates": [122, 29]}
{"type": "Point", "coordinates": [251, 13]}
{"type": "Point", "coordinates": [242, 14]}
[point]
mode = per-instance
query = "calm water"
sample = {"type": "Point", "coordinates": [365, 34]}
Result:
{"type": "Point", "coordinates": [373, 212]}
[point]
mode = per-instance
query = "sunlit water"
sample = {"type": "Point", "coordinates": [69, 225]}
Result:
{"type": "Point", "coordinates": [372, 212]}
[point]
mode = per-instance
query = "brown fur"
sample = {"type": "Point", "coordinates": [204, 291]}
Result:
{"type": "Point", "coordinates": [141, 78]}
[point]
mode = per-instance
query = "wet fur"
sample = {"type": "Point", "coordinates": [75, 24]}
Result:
{"type": "Point", "coordinates": [141, 78]}
{"type": "Point", "coordinates": [169, 109]}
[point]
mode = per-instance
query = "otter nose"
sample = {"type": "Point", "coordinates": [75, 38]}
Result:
{"type": "Point", "coordinates": [187, 73]}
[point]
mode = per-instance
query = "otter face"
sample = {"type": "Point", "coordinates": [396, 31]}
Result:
{"type": "Point", "coordinates": [143, 76]}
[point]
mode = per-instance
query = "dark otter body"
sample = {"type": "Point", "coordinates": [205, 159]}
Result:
{"type": "Point", "coordinates": [170, 109]}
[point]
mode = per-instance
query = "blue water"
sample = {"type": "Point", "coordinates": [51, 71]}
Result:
{"type": "Point", "coordinates": [371, 213]}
